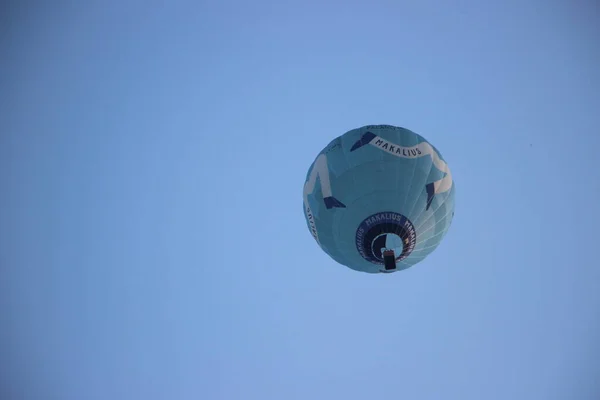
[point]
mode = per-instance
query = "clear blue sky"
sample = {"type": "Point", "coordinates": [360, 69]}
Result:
{"type": "Point", "coordinates": [152, 239]}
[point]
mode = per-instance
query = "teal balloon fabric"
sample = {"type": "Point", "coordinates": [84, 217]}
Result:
{"type": "Point", "coordinates": [379, 199]}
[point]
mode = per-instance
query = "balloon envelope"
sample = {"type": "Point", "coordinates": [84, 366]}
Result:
{"type": "Point", "coordinates": [379, 199]}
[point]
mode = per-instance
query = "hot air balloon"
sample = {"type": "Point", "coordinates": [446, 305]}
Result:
{"type": "Point", "coordinates": [379, 199]}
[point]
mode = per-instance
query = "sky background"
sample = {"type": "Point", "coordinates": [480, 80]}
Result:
{"type": "Point", "coordinates": [152, 239]}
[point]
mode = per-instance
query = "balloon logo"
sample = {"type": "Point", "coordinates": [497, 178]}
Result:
{"type": "Point", "coordinates": [379, 199]}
